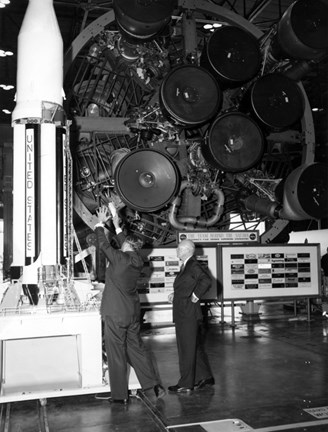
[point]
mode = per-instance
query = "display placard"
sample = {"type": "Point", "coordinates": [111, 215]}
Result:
{"type": "Point", "coordinates": [161, 267]}
{"type": "Point", "coordinates": [215, 237]}
{"type": "Point", "coordinates": [266, 271]}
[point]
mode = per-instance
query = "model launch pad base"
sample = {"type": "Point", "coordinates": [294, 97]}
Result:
{"type": "Point", "coordinates": [45, 355]}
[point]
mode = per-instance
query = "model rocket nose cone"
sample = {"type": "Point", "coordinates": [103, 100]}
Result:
{"type": "Point", "coordinates": [40, 60]}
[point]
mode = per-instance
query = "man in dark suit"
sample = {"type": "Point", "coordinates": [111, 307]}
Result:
{"type": "Point", "coordinates": [324, 267]}
{"type": "Point", "coordinates": [120, 311]}
{"type": "Point", "coordinates": [189, 286]}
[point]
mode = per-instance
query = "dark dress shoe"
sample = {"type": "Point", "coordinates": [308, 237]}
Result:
{"type": "Point", "coordinates": [204, 382]}
{"type": "Point", "coordinates": [159, 391]}
{"type": "Point", "coordinates": [119, 401]}
{"type": "Point", "coordinates": [178, 389]}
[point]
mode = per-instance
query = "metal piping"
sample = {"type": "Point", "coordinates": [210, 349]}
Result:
{"type": "Point", "coordinates": [194, 223]}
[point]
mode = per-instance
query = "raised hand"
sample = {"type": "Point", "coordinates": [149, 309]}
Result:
{"type": "Point", "coordinates": [103, 214]}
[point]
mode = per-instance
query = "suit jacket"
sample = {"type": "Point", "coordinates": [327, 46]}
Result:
{"type": "Point", "coordinates": [120, 298]}
{"type": "Point", "coordinates": [324, 264]}
{"type": "Point", "coordinates": [193, 279]}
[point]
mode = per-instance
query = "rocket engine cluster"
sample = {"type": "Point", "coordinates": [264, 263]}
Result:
{"type": "Point", "coordinates": [213, 124]}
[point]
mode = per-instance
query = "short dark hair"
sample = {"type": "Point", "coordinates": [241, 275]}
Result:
{"type": "Point", "coordinates": [134, 241]}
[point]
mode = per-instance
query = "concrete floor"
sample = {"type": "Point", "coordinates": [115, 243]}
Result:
{"type": "Point", "coordinates": [269, 370]}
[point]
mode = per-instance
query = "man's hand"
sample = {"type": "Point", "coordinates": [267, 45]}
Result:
{"type": "Point", "coordinates": [102, 214]}
{"type": "Point", "coordinates": [194, 298]}
{"type": "Point", "coordinates": [170, 297]}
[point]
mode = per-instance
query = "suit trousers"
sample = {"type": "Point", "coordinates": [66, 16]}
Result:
{"type": "Point", "coordinates": [193, 362]}
{"type": "Point", "coordinates": [124, 346]}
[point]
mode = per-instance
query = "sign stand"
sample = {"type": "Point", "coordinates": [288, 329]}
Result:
{"type": "Point", "coordinates": [250, 310]}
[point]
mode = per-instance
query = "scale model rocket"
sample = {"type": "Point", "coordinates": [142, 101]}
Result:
{"type": "Point", "coordinates": [39, 186]}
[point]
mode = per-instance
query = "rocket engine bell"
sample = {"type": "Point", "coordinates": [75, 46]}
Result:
{"type": "Point", "coordinates": [275, 100]}
{"type": "Point", "coordinates": [306, 193]}
{"type": "Point", "coordinates": [146, 180]}
{"type": "Point", "coordinates": [190, 96]}
{"type": "Point", "coordinates": [141, 21]}
{"type": "Point", "coordinates": [232, 55]}
{"type": "Point", "coordinates": [302, 31]}
{"type": "Point", "coordinates": [234, 143]}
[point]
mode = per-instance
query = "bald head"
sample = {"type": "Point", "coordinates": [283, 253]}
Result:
{"type": "Point", "coordinates": [185, 249]}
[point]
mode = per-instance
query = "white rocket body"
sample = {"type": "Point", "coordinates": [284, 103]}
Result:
{"type": "Point", "coordinates": [37, 156]}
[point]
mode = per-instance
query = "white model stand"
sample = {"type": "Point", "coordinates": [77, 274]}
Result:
{"type": "Point", "coordinates": [56, 354]}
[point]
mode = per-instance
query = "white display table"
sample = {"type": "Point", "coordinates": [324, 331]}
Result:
{"type": "Point", "coordinates": [53, 354]}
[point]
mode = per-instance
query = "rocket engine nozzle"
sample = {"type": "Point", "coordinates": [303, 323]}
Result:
{"type": "Point", "coordinates": [142, 20]}
{"type": "Point", "coordinates": [146, 180]}
{"type": "Point", "coordinates": [302, 32]}
{"type": "Point", "coordinates": [306, 193]}
{"type": "Point", "coordinates": [305, 196]}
